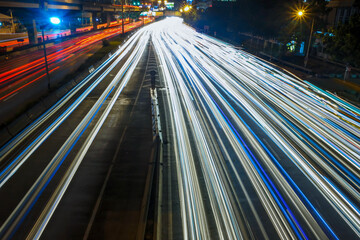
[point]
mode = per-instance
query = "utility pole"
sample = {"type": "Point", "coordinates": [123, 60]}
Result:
{"type": "Point", "coordinates": [12, 22]}
{"type": "Point", "coordinates": [42, 27]}
{"type": "Point", "coordinates": [309, 44]}
{"type": "Point", "coordinates": [46, 62]}
{"type": "Point", "coordinates": [122, 16]}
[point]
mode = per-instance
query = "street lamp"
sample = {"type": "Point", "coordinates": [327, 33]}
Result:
{"type": "Point", "coordinates": [122, 17]}
{"type": "Point", "coordinates": [300, 14]}
{"type": "Point", "coordinates": [55, 21]}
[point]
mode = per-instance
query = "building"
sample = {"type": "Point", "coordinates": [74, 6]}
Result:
{"type": "Point", "coordinates": [204, 4]}
{"type": "Point", "coordinates": [6, 24]}
{"type": "Point", "coordinates": [341, 11]}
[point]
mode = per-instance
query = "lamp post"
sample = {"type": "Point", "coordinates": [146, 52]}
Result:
{"type": "Point", "coordinates": [44, 47]}
{"type": "Point", "coordinates": [300, 14]}
{"type": "Point", "coordinates": [55, 21]}
{"type": "Point", "coordinates": [185, 9]}
{"type": "Point", "coordinates": [122, 16]}
{"type": "Point", "coordinates": [12, 22]}
{"type": "Point", "coordinates": [309, 44]}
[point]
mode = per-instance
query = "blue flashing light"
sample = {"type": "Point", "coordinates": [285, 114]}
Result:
{"type": "Point", "coordinates": [55, 20]}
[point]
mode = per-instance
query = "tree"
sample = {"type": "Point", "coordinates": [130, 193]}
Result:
{"type": "Point", "coordinates": [298, 28]}
{"type": "Point", "coordinates": [192, 16]}
{"type": "Point", "coordinates": [262, 17]}
{"type": "Point", "coordinates": [344, 46]}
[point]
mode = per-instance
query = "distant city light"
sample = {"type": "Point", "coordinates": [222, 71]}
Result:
{"type": "Point", "coordinates": [169, 5]}
{"type": "Point", "coordinates": [55, 20]}
{"type": "Point", "coordinates": [186, 8]}
{"type": "Point", "coordinates": [300, 13]}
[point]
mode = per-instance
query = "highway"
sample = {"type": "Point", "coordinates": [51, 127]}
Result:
{"type": "Point", "coordinates": [31, 64]}
{"type": "Point", "coordinates": [260, 154]}
{"type": "Point", "coordinates": [38, 165]}
{"type": "Point", "coordinates": [26, 73]}
{"type": "Point", "coordinates": [55, 34]}
{"type": "Point", "coordinates": [254, 152]}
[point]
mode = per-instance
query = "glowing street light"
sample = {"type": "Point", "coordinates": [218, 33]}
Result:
{"type": "Point", "coordinates": [300, 14]}
{"type": "Point", "coordinates": [55, 20]}
{"type": "Point", "coordinates": [186, 8]}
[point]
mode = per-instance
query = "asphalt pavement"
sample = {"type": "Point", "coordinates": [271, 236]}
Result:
{"type": "Point", "coordinates": [249, 151]}
{"type": "Point", "coordinates": [23, 79]}
{"type": "Point", "coordinates": [258, 152]}
{"type": "Point", "coordinates": [38, 166]}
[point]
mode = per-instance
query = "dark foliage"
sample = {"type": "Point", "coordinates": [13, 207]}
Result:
{"type": "Point", "coordinates": [260, 17]}
{"type": "Point", "coordinates": [345, 45]}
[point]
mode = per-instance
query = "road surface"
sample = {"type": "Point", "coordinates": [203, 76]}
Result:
{"type": "Point", "coordinates": [82, 129]}
{"type": "Point", "coordinates": [10, 43]}
{"type": "Point", "coordinates": [23, 78]}
{"type": "Point", "coordinates": [258, 152]}
{"type": "Point", "coordinates": [250, 151]}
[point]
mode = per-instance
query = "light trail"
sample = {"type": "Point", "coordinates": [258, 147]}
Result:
{"type": "Point", "coordinates": [55, 163]}
{"type": "Point", "coordinates": [137, 44]}
{"type": "Point", "coordinates": [259, 153]}
{"type": "Point", "coordinates": [62, 53]}
{"type": "Point", "coordinates": [51, 35]}
{"type": "Point", "coordinates": [14, 165]}
{"type": "Point", "coordinates": [256, 130]}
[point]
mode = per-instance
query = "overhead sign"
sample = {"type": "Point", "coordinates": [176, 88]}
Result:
{"type": "Point", "coordinates": [170, 5]}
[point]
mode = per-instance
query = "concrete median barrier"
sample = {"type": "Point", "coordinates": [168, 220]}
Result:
{"type": "Point", "coordinates": [5, 136]}
{"type": "Point", "coordinates": [61, 92]}
{"type": "Point", "coordinates": [19, 124]}
{"type": "Point", "coordinates": [36, 110]}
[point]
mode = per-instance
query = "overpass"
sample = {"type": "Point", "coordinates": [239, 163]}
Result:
{"type": "Point", "coordinates": [75, 5]}
{"type": "Point", "coordinates": [34, 12]}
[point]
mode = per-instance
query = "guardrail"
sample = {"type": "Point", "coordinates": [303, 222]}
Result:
{"type": "Point", "coordinates": [289, 64]}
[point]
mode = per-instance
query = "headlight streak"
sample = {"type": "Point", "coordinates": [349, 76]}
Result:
{"type": "Point", "coordinates": [246, 135]}
{"type": "Point", "coordinates": [16, 163]}
{"type": "Point", "coordinates": [192, 209]}
{"type": "Point", "coordinates": [274, 214]}
{"type": "Point", "coordinates": [50, 208]}
{"type": "Point", "coordinates": [310, 127]}
{"type": "Point", "coordinates": [191, 64]}
{"type": "Point", "coordinates": [252, 158]}
{"type": "Point", "coordinates": [210, 172]}
{"type": "Point", "coordinates": [255, 135]}
{"type": "Point", "coordinates": [10, 226]}
{"type": "Point", "coordinates": [20, 137]}
{"type": "Point", "coordinates": [355, 162]}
